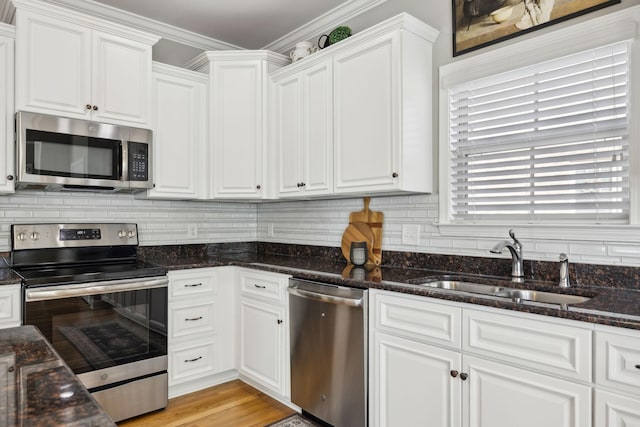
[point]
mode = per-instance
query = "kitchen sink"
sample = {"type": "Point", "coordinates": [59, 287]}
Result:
{"type": "Point", "coordinates": [516, 295]}
{"type": "Point", "coordinates": [455, 285]}
{"type": "Point", "coordinates": [547, 297]}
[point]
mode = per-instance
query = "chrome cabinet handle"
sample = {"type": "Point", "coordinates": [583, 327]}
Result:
{"type": "Point", "coordinates": [189, 285]}
{"type": "Point", "coordinates": [259, 286]}
{"type": "Point", "coordinates": [192, 360]}
{"type": "Point", "coordinates": [193, 319]}
{"type": "Point", "coordinates": [464, 376]}
{"type": "Point", "coordinates": [454, 373]}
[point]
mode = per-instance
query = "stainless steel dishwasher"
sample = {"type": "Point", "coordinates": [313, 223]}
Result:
{"type": "Point", "coordinates": [328, 328]}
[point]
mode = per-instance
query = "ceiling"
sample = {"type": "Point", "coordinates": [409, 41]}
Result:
{"type": "Point", "coordinates": [250, 24]}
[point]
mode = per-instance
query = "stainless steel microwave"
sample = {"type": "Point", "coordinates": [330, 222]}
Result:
{"type": "Point", "coordinates": [57, 153]}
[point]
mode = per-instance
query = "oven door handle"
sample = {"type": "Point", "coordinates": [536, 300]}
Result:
{"type": "Point", "coordinates": [94, 288]}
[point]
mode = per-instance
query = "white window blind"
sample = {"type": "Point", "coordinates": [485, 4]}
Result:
{"type": "Point", "coordinates": [548, 141]}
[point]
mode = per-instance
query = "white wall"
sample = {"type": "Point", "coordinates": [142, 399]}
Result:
{"type": "Point", "coordinates": [159, 222]}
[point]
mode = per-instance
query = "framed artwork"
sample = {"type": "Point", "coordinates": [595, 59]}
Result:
{"type": "Point", "coordinates": [480, 23]}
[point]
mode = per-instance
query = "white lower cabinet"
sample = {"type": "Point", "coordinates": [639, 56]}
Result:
{"type": "Point", "coordinates": [421, 374]}
{"type": "Point", "coordinates": [499, 395]}
{"type": "Point", "coordinates": [201, 328]}
{"type": "Point", "coordinates": [10, 306]}
{"type": "Point", "coordinates": [617, 377]}
{"type": "Point", "coordinates": [263, 353]}
{"type": "Point", "coordinates": [412, 384]}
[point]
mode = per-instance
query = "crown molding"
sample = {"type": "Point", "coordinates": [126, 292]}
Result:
{"type": "Point", "coordinates": [161, 29]}
{"type": "Point", "coordinates": [322, 24]}
{"type": "Point", "coordinates": [201, 61]}
{"type": "Point", "coordinates": [7, 11]}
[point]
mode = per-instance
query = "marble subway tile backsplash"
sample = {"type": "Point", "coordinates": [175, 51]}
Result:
{"type": "Point", "coordinates": [160, 222]}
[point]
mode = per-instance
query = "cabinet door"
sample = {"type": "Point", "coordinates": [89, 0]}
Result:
{"type": "Point", "coordinates": [262, 349]}
{"type": "Point", "coordinates": [121, 89]}
{"type": "Point", "coordinates": [367, 97]}
{"type": "Point", "coordinates": [10, 306]}
{"type": "Point", "coordinates": [53, 66]}
{"type": "Point", "coordinates": [237, 128]}
{"type": "Point", "coordinates": [411, 384]}
{"type": "Point", "coordinates": [289, 135]}
{"type": "Point", "coordinates": [179, 132]}
{"type": "Point", "coordinates": [614, 410]}
{"type": "Point", "coordinates": [498, 395]}
{"type": "Point", "coordinates": [7, 160]}
{"type": "Point", "coordinates": [317, 123]}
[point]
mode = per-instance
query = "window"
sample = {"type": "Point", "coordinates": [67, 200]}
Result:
{"type": "Point", "coordinates": [544, 142]}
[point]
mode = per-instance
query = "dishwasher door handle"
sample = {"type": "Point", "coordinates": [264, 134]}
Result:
{"type": "Point", "coordinates": [352, 302]}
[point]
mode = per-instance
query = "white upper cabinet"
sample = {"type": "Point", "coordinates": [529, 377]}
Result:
{"type": "Point", "coordinates": [382, 110]}
{"type": "Point", "coordinates": [238, 87]}
{"type": "Point", "coordinates": [179, 133]}
{"type": "Point", "coordinates": [71, 65]}
{"type": "Point", "coordinates": [355, 118]}
{"type": "Point", "coordinates": [304, 137]}
{"type": "Point", "coordinates": [7, 159]}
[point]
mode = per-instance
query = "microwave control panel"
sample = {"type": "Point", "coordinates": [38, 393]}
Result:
{"type": "Point", "coordinates": [138, 161]}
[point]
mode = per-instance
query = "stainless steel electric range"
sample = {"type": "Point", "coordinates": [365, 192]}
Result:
{"type": "Point", "coordinates": [102, 309]}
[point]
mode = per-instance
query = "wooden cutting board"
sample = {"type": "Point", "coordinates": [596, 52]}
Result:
{"type": "Point", "coordinates": [357, 231]}
{"type": "Point", "coordinates": [374, 220]}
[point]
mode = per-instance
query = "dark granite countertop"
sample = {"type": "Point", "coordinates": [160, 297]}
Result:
{"type": "Point", "coordinates": [38, 389]}
{"type": "Point", "coordinates": [9, 277]}
{"type": "Point", "coordinates": [609, 306]}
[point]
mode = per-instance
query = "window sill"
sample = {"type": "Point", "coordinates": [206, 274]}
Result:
{"type": "Point", "coordinates": [572, 232]}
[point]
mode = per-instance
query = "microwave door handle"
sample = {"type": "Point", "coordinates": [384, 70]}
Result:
{"type": "Point", "coordinates": [122, 164]}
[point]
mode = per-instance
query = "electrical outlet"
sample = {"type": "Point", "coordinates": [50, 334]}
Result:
{"type": "Point", "coordinates": [270, 230]}
{"type": "Point", "coordinates": [411, 234]}
{"type": "Point", "coordinates": [192, 231]}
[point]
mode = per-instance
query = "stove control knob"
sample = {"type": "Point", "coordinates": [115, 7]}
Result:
{"type": "Point", "coordinates": [35, 235]}
{"type": "Point", "coordinates": [22, 236]}
{"type": "Point", "coordinates": [131, 234]}
{"type": "Point", "coordinates": [122, 234]}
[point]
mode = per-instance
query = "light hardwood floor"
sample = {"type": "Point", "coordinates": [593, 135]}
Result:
{"type": "Point", "coordinates": [233, 404]}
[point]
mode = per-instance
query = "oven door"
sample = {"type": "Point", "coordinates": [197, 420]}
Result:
{"type": "Point", "coordinates": [105, 331]}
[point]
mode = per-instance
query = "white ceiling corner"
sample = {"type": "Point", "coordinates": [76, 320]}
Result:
{"type": "Point", "coordinates": [322, 23]}
{"type": "Point", "coordinates": [161, 29]}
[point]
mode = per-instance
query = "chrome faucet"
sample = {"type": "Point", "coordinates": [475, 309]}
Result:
{"type": "Point", "coordinates": [515, 247]}
{"type": "Point", "coordinates": [564, 271]}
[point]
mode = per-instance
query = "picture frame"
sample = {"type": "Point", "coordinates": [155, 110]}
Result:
{"type": "Point", "coordinates": [481, 23]}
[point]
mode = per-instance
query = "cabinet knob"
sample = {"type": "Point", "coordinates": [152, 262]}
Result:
{"type": "Point", "coordinates": [279, 321]}
{"type": "Point", "coordinates": [394, 175]}
{"type": "Point", "coordinates": [454, 373]}
{"type": "Point", "coordinates": [9, 177]}
{"type": "Point", "coordinates": [464, 376]}
{"type": "Point", "coordinates": [298, 185]}
{"type": "Point", "coordinates": [302, 184]}
{"type": "Point", "coordinates": [88, 106]}
{"type": "Point", "coordinates": [95, 108]}
{"type": "Point", "coordinates": [258, 187]}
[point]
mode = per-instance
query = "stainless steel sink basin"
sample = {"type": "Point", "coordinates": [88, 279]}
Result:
{"type": "Point", "coordinates": [455, 285]}
{"type": "Point", "coordinates": [546, 297]}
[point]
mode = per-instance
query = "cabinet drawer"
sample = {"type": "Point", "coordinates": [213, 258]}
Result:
{"type": "Point", "coordinates": [558, 349]}
{"type": "Point", "coordinates": [196, 282]}
{"type": "Point", "coordinates": [190, 360]}
{"type": "Point", "coordinates": [192, 318]}
{"type": "Point", "coordinates": [417, 318]}
{"type": "Point", "coordinates": [618, 361]}
{"type": "Point", "coordinates": [264, 286]}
